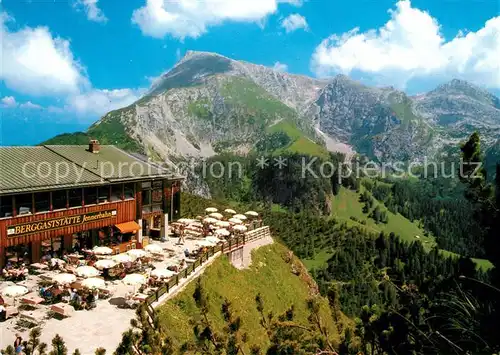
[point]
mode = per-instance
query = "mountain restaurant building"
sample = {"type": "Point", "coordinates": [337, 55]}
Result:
{"type": "Point", "coordinates": [60, 198]}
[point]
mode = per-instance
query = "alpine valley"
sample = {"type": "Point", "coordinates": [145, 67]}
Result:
{"type": "Point", "coordinates": [209, 104]}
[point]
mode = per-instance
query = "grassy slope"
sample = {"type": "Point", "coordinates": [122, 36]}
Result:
{"type": "Point", "coordinates": [346, 204]}
{"type": "Point", "coordinates": [268, 275]}
{"type": "Point", "coordinates": [109, 130]}
{"type": "Point", "coordinates": [300, 143]}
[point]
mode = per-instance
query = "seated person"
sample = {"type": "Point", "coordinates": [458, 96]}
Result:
{"type": "Point", "coordinates": [186, 253]}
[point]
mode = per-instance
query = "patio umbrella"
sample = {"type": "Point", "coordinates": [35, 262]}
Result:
{"type": "Point", "coordinates": [223, 232]}
{"type": "Point", "coordinates": [240, 216]}
{"type": "Point", "coordinates": [102, 251]}
{"type": "Point", "coordinates": [230, 211]}
{"type": "Point", "coordinates": [64, 279]}
{"type": "Point", "coordinates": [134, 279]}
{"type": "Point", "coordinates": [240, 228]}
{"type": "Point", "coordinates": [93, 282]}
{"type": "Point", "coordinates": [122, 258]}
{"type": "Point", "coordinates": [212, 239]}
{"type": "Point", "coordinates": [14, 291]}
{"type": "Point", "coordinates": [216, 215]}
{"type": "Point", "coordinates": [235, 220]}
{"type": "Point", "coordinates": [205, 243]}
{"type": "Point", "coordinates": [211, 209]}
{"type": "Point", "coordinates": [86, 271]}
{"type": "Point", "coordinates": [196, 224]}
{"type": "Point", "coordinates": [223, 224]}
{"type": "Point", "coordinates": [137, 253]}
{"type": "Point", "coordinates": [185, 220]}
{"type": "Point", "coordinates": [154, 248]}
{"type": "Point", "coordinates": [105, 264]}
{"type": "Point", "coordinates": [210, 220]}
{"type": "Point", "coordinates": [55, 261]}
{"type": "Point", "coordinates": [162, 273]}
{"type": "Point", "coordinates": [251, 213]}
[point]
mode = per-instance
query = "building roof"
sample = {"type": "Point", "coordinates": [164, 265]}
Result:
{"type": "Point", "coordinates": [24, 169]}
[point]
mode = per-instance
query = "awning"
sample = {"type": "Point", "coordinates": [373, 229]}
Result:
{"type": "Point", "coordinates": [128, 227]}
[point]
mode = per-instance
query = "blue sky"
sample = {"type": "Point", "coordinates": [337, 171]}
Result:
{"type": "Point", "coordinates": [65, 63]}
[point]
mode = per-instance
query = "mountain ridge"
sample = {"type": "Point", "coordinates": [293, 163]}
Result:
{"type": "Point", "coordinates": [208, 103]}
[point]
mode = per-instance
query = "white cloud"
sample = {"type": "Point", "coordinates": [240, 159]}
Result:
{"type": "Point", "coordinates": [30, 106]}
{"type": "Point", "coordinates": [282, 67]}
{"type": "Point", "coordinates": [191, 18]}
{"type": "Point", "coordinates": [8, 102]}
{"type": "Point", "coordinates": [34, 62]}
{"type": "Point", "coordinates": [411, 45]}
{"type": "Point", "coordinates": [11, 102]}
{"type": "Point", "coordinates": [99, 102]}
{"type": "Point", "coordinates": [94, 13]}
{"type": "Point", "coordinates": [294, 22]}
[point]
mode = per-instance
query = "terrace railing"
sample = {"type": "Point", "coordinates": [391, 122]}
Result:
{"type": "Point", "coordinates": [232, 244]}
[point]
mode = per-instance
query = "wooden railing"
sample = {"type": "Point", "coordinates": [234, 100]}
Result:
{"type": "Point", "coordinates": [230, 245]}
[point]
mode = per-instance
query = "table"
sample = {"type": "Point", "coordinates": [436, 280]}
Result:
{"type": "Point", "coordinates": [139, 297]}
{"type": "Point", "coordinates": [32, 298]}
{"type": "Point", "coordinates": [63, 309]}
{"type": "Point", "coordinates": [39, 266]}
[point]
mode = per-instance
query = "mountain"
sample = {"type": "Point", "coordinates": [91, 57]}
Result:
{"type": "Point", "coordinates": [208, 104]}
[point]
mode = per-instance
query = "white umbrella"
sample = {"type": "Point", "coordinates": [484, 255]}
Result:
{"type": "Point", "coordinates": [205, 243]}
{"type": "Point", "coordinates": [240, 216]}
{"type": "Point", "coordinates": [185, 220]}
{"type": "Point", "coordinates": [251, 213]}
{"type": "Point", "coordinates": [64, 279]}
{"type": "Point", "coordinates": [196, 224]}
{"type": "Point", "coordinates": [14, 291]}
{"type": "Point", "coordinates": [230, 211]}
{"type": "Point", "coordinates": [137, 253]}
{"type": "Point", "coordinates": [223, 224]}
{"type": "Point", "coordinates": [102, 251]}
{"type": "Point", "coordinates": [210, 220]}
{"type": "Point", "coordinates": [222, 231]}
{"type": "Point", "coordinates": [122, 258]}
{"type": "Point", "coordinates": [86, 271]}
{"type": "Point", "coordinates": [240, 228]}
{"type": "Point", "coordinates": [134, 279]}
{"type": "Point", "coordinates": [235, 220]}
{"type": "Point", "coordinates": [93, 282]}
{"type": "Point", "coordinates": [211, 209]}
{"type": "Point", "coordinates": [216, 215]}
{"type": "Point", "coordinates": [212, 239]}
{"type": "Point", "coordinates": [154, 248]}
{"type": "Point", "coordinates": [55, 261]}
{"type": "Point", "coordinates": [162, 273]}
{"type": "Point", "coordinates": [105, 264]}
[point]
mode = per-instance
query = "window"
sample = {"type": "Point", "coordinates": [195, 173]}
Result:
{"type": "Point", "coordinates": [157, 195]}
{"type": "Point", "coordinates": [42, 201]}
{"type": "Point", "coordinates": [75, 197]}
{"type": "Point", "coordinates": [5, 206]}
{"type": "Point", "coordinates": [103, 194]}
{"type": "Point", "coordinates": [90, 195]}
{"type": "Point", "coordinates": [157, 208]}
{"type": "Point", "coordinates": [116, 192]}
{"type": "Point", "coordinates": [24, 204]}
{"type": "Point", "coordinates": [146, 197]}
{"type": "Point", "coordinates": [129, 190]}
{"type": "Point", "coordinates": [157, 184]}
{"type": "Point", "coordinates": [59, 199]}
{"type": "Point", "coordinates": [146, 185]}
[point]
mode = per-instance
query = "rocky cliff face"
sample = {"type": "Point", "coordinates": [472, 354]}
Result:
{"type": "Point", "coordinates": [209, 104]}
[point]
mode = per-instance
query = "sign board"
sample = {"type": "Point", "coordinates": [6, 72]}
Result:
{"type": "Point", "coordinates": [55, 223]}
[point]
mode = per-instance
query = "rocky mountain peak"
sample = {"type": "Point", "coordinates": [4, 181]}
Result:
{"type": "Point", "coordinates": [463, 89]}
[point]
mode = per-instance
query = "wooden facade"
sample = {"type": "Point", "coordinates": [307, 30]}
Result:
{"type": "Point", "coordinates": [12, 232]}
{"type": "Point", "coordinates": [125, 212]}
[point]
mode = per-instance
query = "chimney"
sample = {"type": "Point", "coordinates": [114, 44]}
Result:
{"type": "Point", "coordinates": [94, 146]}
